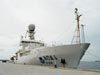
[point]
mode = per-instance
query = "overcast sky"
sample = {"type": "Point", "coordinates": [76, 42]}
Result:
{"type": "Point", "coordinates": [54, 21]}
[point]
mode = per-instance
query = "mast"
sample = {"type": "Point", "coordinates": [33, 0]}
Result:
{"type": "Point", "coordinates": [78, 26]}
{"type": "Point", "coordinates": [83, 35]}
{"type": "Point", "coordinates": [77, 31]}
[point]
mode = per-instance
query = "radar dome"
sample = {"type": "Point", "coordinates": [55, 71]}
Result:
{"type": "Point", "coordinates": [31, 27]}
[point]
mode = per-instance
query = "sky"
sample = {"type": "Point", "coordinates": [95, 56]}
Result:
{"type": "Point", "coordinates": [54, 20]}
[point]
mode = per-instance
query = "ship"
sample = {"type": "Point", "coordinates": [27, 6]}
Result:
{"type": "Point", "coordinates": [35, 52]}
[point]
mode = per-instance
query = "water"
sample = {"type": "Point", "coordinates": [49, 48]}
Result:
{"type": "Point", "coordinates": [89, 65]}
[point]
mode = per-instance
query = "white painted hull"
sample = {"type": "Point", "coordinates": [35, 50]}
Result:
{"type": "Point", "coordinates": [71, 53]}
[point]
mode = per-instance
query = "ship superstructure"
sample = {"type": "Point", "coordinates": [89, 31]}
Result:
{"type": "Point", "coordinates": [37, 53]}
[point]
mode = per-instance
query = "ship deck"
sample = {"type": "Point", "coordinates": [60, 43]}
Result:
{"type": "Point", "coordinates": [17, 69]}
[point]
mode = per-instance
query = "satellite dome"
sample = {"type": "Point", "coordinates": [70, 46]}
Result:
{"type": "Point", "coordinates": [31, 27]}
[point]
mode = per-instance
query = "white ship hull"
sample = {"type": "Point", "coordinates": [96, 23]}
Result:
{"type": "Point", "coordinates": [71, 53]}
{"type": "Point", "coordinates": [37, 53]}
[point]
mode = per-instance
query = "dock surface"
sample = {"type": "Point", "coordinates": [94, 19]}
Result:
{"type": "Point", "coordinates": [17, 69]}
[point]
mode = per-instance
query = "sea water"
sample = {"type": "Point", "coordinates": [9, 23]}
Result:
{"type": "Point", "coordinates": [89, 65]}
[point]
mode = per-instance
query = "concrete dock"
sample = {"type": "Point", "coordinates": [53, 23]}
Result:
{"type": "Point", "coordinates": [17, 69]}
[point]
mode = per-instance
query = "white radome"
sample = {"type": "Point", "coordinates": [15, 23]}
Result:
{"type": "Point", "coordinates": [31, 27]}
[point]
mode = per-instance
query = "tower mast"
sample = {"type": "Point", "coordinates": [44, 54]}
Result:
{"type": "Point", "coordinates": [78, 26]}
